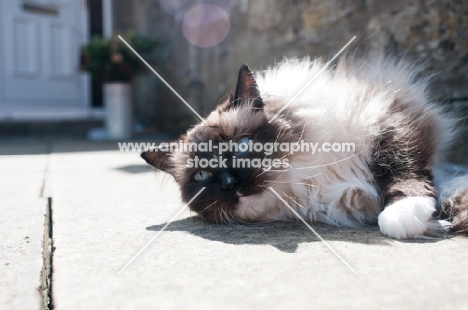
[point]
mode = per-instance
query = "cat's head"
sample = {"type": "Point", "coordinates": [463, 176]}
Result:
{"type": "Point", "coordinates": [236, 186]}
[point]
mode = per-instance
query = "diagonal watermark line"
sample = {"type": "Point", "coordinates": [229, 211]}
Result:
{"type": "Point", "coordinates": [313, 230]}
{"type": "Point", "coordinates": [311, 80]}
{"type": "Point", "coordinates": [159, 232]}
{"type": "Point", "coordinates": [163, 80]}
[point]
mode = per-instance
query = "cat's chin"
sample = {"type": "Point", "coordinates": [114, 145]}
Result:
{"type": "Point", "coordinates": [252, 207]}
{"type": "Point", "coordinates": [248, 201]}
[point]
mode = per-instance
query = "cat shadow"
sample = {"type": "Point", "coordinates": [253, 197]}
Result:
{"type": "Point", "coordinates": [134, 169]}
{"type": "Point", "coordinates": [285, 236]}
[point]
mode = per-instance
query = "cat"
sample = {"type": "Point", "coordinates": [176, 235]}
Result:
{"type": "Point", "coordinates": [381, 107]}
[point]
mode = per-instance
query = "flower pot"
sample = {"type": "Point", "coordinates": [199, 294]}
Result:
{"type": "Point", "coordinates": [118, 107]}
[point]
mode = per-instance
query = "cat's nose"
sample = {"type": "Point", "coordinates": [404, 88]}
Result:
{"type": "Point", "coordinates": [227, 180]}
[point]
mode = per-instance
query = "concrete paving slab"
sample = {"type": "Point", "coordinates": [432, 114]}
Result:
{"type": "Point", "coordinates": [107, 205]}
{"type": "Point", "coordinates": [21, 235]}
{"type": "Point", "coordinates": [22, 174]}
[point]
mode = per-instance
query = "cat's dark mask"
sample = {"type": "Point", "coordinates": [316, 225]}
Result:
{"type": "Point", "coordinates": [241, 117]}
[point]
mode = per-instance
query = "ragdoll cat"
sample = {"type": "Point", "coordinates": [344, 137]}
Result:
{"type": "Point", "coordinates": [379, 107]}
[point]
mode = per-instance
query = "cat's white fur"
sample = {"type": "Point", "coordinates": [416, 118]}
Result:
{"type": "Point", "coordinates": [408, 218]}
{"type": "Point", "coordinates": [343, 105]}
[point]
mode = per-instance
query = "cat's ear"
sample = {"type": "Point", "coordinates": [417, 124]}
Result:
{"type": "Point", "coordinates": [159, 160]}
{"type": "Point", "coordinates": [247, 89]}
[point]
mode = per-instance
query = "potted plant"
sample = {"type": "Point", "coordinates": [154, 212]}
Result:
{"type": "Point", "coordinates": [111, 61]}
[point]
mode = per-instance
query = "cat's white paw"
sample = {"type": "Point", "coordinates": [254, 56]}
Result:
{"type": "Point", "coordinates": [409, 218]}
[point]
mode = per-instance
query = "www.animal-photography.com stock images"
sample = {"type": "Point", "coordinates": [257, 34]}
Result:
{"type": "Point", "coordinates": [233, 154]}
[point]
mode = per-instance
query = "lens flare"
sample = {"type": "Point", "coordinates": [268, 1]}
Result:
{"type": "Point", "coordinates": [206, 25]}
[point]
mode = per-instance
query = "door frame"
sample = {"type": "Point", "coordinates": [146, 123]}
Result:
{"type": "Point", "coordinates": [9, 112]}
{"type": "Point", "coordinates": [107, 18]}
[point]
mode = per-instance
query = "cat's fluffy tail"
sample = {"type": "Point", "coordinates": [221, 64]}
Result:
{"type": "Point", "coordinates": [453, 196]}
{"type": "Point", "coordinates": [455, 210]}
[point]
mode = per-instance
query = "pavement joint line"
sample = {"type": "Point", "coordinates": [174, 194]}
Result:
{"type": "Point", "coordinates": [159, 232]}
{"type": "Point", "coordinates": [313, 230]}
{"type": "Point", "coordinates": [45, 288]}
{"type": "Point", "coordinates": [311, 80]}
{"type": "Point", "coordinates": [162, 79]}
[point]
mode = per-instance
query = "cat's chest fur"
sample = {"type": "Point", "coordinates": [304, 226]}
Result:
{"type": "Point", "coordinates": [337, 185]}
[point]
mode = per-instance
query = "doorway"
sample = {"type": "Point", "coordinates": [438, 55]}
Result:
{"type": "Point", "coordinates": [96, 29]}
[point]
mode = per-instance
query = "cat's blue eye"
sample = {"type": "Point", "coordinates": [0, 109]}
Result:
{"type": "Point", "coordinates": [242, 146]}
{"type": "Point", "coordinates": [202, 176]}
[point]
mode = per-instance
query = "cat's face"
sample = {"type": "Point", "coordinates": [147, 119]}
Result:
{"type": "Point", "coordinates": [235, 184]}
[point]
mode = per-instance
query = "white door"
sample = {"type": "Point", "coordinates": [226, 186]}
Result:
{"type": "Point", "coordinates": [39, 54]}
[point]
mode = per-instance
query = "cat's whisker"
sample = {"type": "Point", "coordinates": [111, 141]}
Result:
{"type": "Point", "coordinates": [261, 173]}
{"type": "Point", "coordinates": [228, 219]}
{"type": "Point", "coordinates": [233, 219]}
{"type": "Point", "coordinates": [221, 220]}
{"type": "Point", "coordinates": [292, 199]}
{"type": "Point", "coordinates": [329, 164]}
{"type": "Point", "coordinates": [279, 176]}
{"type": "Point", "coordinates": [280, 132]}
{"type": "Point", "coordinates": [270, 171]}
{"type": "Point", "coordinates": [313, 176]}
{"type": "Point", "coordinates": [289, 108]}
{"type": "Point", "coordinates": [374, 69]}
{"type": "Point", "coordinates": [298, 140]}
{"type": "Point", "coordinates": [286, 182]}
{"type": "Point", "coordinates": [264, 171]}
{"type": "Point", "coordinates": [222, 215]}
{"type": "Point", "coordinates": [208, 207]}
{"type": "Point", "coordinates": [268, 193]}
{"type": "Point", "coordinates": [280, 186]}
{"type": "Point", "coordinates": [284, 195]}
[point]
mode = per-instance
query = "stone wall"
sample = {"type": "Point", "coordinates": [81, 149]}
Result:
{"type": "Point", "coordinates": [262, 32]}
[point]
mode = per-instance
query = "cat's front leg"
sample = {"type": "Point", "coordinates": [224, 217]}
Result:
{"type": "Point", "coordinates": [409, 217]}
{"type": "Point", "coordinates": [409, 210]}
